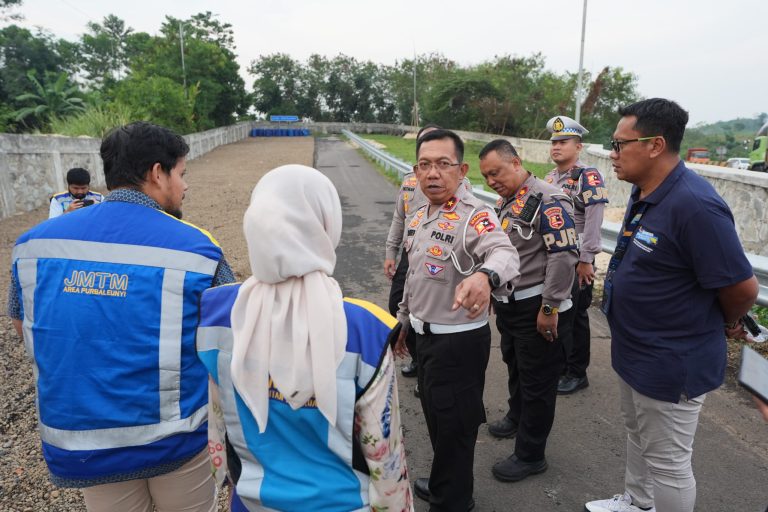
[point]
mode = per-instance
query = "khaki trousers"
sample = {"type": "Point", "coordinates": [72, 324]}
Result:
{"type": "Point", "coordinates": [659, 448]}
{"type": "Point", "coordinates": [190, 488]}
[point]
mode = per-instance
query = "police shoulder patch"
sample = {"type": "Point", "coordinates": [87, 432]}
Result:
{"type": "Point", "coordinates": [477, 218]}
{"type": "Point", "coordinates": [592, 188]}
{"type": "Point", "coordinates": [557, 228]}
{"type": "Point", "coordinates": [484, 225]}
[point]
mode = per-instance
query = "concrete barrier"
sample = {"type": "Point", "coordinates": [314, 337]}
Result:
{"type": "Point", "coordinates": [32, 167]}
{"type": "Point", "coordinates": [745, 192]}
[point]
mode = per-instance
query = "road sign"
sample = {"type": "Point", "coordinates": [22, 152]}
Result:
{"type": "Point", "coordinates": [284, 119]}
{"type": "Point", "coordinates": [721, 151]}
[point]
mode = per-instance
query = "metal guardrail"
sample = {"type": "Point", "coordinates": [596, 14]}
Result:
{"type": "Point", "coordinates": [609, 230]}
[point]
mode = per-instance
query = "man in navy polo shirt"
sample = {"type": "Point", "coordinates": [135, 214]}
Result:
{"type": "Point", "coordinates": [678, 276]}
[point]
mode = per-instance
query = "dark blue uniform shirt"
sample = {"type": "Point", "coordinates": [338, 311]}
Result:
{"type": "Point", "coordinates": [666, 323]}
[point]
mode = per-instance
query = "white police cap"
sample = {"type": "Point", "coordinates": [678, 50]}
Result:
{"type": "Point", "coordinates": [563, 127]}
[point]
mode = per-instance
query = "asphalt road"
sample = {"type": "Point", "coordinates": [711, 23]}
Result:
{"type": "Point", "coordinates": [587, 444]}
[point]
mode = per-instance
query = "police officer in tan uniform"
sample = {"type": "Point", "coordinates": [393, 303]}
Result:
{"type": "Point", "coordinates": [409, 199]}
{"type": "Point", "coordinates": [458, 254]}
{"type": "Point", "coordinates": [537, 217]}
{"type": "Point", "coordinates": [586, 187]}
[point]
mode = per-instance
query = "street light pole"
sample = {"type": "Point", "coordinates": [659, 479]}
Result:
{"type": "Point", "coordinates": [581, 64]}
{"type": "Point", "coordinates": [183, 67]}
{"type": "Point", "coordinates": [415, 113]}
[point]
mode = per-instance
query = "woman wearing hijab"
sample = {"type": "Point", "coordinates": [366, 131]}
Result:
{"type": "Point", "coordinates": [306, 378]}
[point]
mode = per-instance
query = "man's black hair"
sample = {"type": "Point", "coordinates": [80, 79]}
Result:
{"type": "Point", "coordinates": [441, 134]}
{"type": "Point", "coordinates": [78, 176]}
{"type": "Point", "coordinates": [657, 116]}
{"type": "Point", "coordinates": [130, 151]}
{"type": "Point", "coordinates": [427, 127]}
{"type": "Point", "coordinates": [503, 147]}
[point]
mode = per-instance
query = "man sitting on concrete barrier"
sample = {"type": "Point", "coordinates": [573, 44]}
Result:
{"type": "Point", "coordinates": [77, 195]}
{"type": "Point", "coordinates": [457, 255]}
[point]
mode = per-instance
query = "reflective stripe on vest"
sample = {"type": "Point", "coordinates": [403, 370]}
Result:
{"type": "Point", "coordinates": [185, 273]}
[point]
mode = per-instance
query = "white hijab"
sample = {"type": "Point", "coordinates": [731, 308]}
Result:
{"type": "Point", "coordinates": [288, 319]}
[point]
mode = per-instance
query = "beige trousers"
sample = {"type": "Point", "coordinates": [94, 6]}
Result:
{"type": "Point", "coordinates": [659, 448]}
{"type": "Point", "coordinates": [188, 489]}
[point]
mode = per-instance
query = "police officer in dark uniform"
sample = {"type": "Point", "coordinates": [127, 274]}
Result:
{"type": "Point", "coordinates": [538, 219]}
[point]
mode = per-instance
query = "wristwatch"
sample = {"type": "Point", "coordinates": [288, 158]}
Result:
{"type": "Point", "coordinates": [493, 278]}
{"type": "Point", "coordinates": [548, 310]}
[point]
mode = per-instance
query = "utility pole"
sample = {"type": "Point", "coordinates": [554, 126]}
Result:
{"type": "Point", "coordinates": [183, 67]}
{"type": "Point", "coordinates": [415, 114]}
{"type": "Point", "coordinates": [581, 64]}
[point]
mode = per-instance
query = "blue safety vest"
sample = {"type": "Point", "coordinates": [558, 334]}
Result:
{"type": "Point", "coordinates": [110, 307]}
{"type": "Point", "coordinates": [300, 462]}
{"type": "Point", "coordinates": [65, 198]}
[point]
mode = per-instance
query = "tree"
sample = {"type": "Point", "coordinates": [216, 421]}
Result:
{"type": "Point", "coordinates": [210, 67]}
{"type": "Point", "coordinates": [429, 69]}
{"type": "Point", "coordinates": [610, 90]}
{"type": "Point", "coordinates": [278, 87]}
{"type": "Point", "coordinates": [21, 51]}
{"type": "Point", "coordinates": [160, 100]}
{"type": "Point", "coordinates": [458, 101]}
{"type": "Point", "coordinates": [6, 6]}
{"type": "Point", "coordinates": [52, 98]}
{"type": "Point", "coordinates": [104, 50]}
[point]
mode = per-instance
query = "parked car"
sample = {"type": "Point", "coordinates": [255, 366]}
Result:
{"type": "Point", "coordinates": [737, 163]}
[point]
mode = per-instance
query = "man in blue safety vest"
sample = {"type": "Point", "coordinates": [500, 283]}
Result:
{"type": "Point", "coordinates": [106, 299]}
{"type": "Point", "coordinates": [77, 195]}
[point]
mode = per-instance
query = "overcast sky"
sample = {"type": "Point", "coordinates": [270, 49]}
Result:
{"type": "Point", "coordinates": [710, 56]}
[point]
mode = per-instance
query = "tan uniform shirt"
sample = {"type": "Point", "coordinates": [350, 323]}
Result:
{"type": "Point", "coordinates": [545, 239]}
{"type": "Point", "coordinates": [409, 199]}
{"type": "Point", "coordinates": [589, 198]}
{"type": "Point", "coordinates": [467, 228]}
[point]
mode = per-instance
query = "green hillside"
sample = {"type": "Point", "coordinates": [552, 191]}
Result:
{"type": "Point", "coordinates": [735, 135]}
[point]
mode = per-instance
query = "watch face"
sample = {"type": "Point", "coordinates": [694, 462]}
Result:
{"type": "Point", "coordinates": [546, 309]}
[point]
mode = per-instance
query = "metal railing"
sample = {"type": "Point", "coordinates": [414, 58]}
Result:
{"type": "Point", "coordinates": [609, 230]}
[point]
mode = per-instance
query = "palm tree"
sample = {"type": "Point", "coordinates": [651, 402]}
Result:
{"type": "Point", "coordinates": [55, 98]}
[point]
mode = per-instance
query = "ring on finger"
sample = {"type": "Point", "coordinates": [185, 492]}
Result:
{"type": "Point", "coordinates": [475, 307]}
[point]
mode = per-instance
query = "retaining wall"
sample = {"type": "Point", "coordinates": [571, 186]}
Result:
{"type": "Point", "coordinates": [32, 167]}
{"type": "Point", "coordinates": [745, 192]}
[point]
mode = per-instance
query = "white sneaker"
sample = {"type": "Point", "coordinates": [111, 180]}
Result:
{"type": "Point", "coordinates": [619, 503]}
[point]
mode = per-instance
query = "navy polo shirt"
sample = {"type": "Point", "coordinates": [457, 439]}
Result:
{"type": "Point", "coordinates": [666, 324]}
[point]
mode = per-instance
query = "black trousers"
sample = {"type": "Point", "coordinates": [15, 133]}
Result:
{"type": "Point", "coordinates": [577, 345]}
{"type": "Point", "coordinates": [451, 373]}
{"type": "Point", "coordinates": [396, 295]}
{"type": "Point", "coordinates": [534, 366]}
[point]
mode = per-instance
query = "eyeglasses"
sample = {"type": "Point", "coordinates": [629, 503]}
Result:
{"type": "Point", "coordinates": [442, 165]}
{"type": "Point", "coordinates": [616, 144]}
